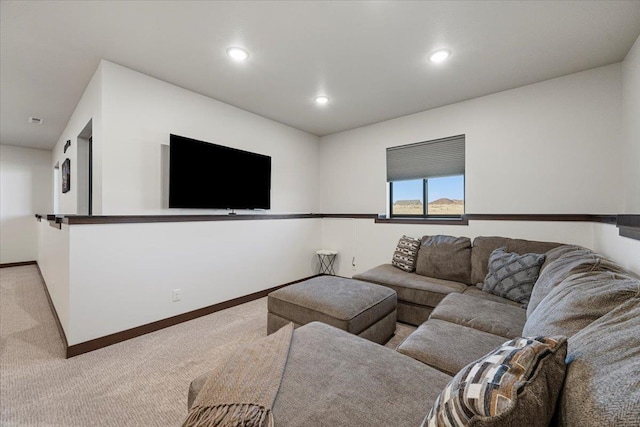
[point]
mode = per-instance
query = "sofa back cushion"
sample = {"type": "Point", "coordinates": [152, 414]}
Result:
{"type": "Point", "coordinates": [484, 245]}
{"type": "Point", "coordinates": [445, 257]}
{"type": "Point", "coordinates": [602, 382]}
{"type": "Point", "coordinates": [563, 262]}
{"type": "Point", "coordinates": [578, 301]}
{"type": "Point", "coordinates": [560, 251]}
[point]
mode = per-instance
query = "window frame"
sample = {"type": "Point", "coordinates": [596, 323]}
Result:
{"type": "Point", "coordinates": [425, 202]}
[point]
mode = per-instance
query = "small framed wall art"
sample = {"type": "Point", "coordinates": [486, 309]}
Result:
{"type": "Point", "coordinates": [66, 175]}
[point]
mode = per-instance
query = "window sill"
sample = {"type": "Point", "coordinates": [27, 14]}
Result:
{"type": "Point", "coordinates": [413, 220]}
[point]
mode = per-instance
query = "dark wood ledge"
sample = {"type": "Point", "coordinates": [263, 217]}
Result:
{"type": "Point", "coordinates": [54, 220]}
{"type": "Point", "coordinates": [608, 219]}
{"type": "Point", "coordinates": [629, 226]}
{"type": "Point", "coordinates": [464, 220]}
{"type": "Point", "coordinates": [131, 219]}
{"type": "Point", "coordinates": [349, 216]}
{"type": "Point", "coordinates": [424, 221]}
{"type": "Point", "coordinates": [134, 219]}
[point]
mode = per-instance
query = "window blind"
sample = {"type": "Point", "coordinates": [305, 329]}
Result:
{"type": "Point", "coordinates": [440, 157]}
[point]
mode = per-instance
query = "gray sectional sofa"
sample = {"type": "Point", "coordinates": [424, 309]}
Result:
{"type": "Point", "coordinates": [446, 265]}
{"type": "Point", "coordinates": [334, 378]}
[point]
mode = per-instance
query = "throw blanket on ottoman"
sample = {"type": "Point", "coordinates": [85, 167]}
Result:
{"type": "Point", "coordinates": [241, 391]}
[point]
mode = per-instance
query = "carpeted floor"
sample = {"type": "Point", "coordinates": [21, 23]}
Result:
{"type": "Point", "coordinates": [139, 382]}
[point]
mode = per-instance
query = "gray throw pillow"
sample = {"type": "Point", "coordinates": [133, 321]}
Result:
{"type": "Point", "coordinates": [484, 245]}
{"type": "Point", "coordinates": [512, 276]}
{"type": "Point", "coordinates": [405, 254]}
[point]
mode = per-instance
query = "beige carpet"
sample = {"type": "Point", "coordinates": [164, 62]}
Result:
{"type": "Point", "coordinates": [140, 382]}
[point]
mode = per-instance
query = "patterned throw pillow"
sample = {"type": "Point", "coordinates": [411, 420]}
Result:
{"type": "Point", "coordinates": [515, 385]}
{"type": "Point", "coordinates": [511, 275]}
{"type": "Point", "coordinates": [406, 252]}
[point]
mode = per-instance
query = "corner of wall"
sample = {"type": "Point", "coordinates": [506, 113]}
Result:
{"type": "Point", "coordinates": [88, 109]}
{"type": "Point", "coordinates": [631, 128]}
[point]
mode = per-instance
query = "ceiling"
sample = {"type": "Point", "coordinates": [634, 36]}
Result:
{"type": "Point", "coordinates": [368, 57]}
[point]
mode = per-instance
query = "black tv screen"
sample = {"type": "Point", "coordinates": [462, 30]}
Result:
{"type": "Point", "coordinates": [210, 176]}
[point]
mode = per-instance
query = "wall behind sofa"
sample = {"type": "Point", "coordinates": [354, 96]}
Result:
{"type": "Point", "coordinates": [606, 238]}
{"type": "Point", "coordinates": [550, 147]}
{"type": "Point", "coordinates": [366, 244]}
{"type": "Point", "coordinates": [631, 127]}
{"type": "Point", "coordinates": [554, 147]}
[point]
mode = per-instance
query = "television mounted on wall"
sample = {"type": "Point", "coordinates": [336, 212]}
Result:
{"type": "Point", "coordinates": [204, 175]}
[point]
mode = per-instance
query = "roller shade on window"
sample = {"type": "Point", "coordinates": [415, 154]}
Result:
{"type": "Point", "coordinates": [440, 157]}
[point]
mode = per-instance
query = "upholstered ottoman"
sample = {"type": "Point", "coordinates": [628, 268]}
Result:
{"type": "Point", "coordinates": [358, 307]}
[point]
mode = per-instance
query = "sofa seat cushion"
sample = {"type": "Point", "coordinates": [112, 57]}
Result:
{"type": "Point", "coordinates": [445, 257]}
{"type": "Point", "coordinates": [489, 316]}
{"type": "Point", "coordinates": [479, 293]}
{"type": "Point", "coordinates": [563, 262]}
{"type": "Point", "coordinates": [432, 344]}
{"type": "Point", "coordinates": [351, 305]}
{"type": "Point", "coordinates": [602, 383]}
{"type": "Point", "coordinates": [483, 246]}
{"type": "Point", "coordinates": [412, 287]}
{"type": "Point", "coordinates": [579, 300]}
{"type": "Point", "coordinates": [332, 378]}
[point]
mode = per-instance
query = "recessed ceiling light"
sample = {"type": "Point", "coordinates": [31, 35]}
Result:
{"type": "Point", "coordinates": [35, 120]}
{"type": "Point", "coordinates": [439, 55]}
{"type": "Point", "coordinates": [321, 100]}
{"type": "Point", "coordinates": [237, 53]}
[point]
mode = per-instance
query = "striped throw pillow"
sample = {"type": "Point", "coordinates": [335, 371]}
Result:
{"type": "Point", "coordinates": [406, 254]}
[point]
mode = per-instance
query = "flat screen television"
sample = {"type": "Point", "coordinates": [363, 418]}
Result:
{"type": "Point", "coordinates": [210, 176]}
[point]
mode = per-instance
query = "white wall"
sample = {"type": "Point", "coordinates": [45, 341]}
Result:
{"type": "Point", "coordinates": [123, 275]}
{"type": "Point", "coordinates": [54, 262]}
{"type": "Point", "coordinates": [536, 149]}
{"type": "Point", "coordinates": [373, 244]}
{"type": "Point", "coordinates": [631, 128]}
{"type": "Point", "coordinates": [624, 250]}
{"type": "Point", "coordinates": [550, 147]}
{"type": "Point", "coordinates": [139, 114]}
{"type": "Point", "coordinates": [606, 238]}
{"type": "Point", "coordinates": [89, 108]}
{"type": "Point", "coordinates": [25, 189]}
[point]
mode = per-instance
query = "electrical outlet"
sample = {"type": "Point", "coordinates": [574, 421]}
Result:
{"type": "Point", "coordinates": [177, 295]}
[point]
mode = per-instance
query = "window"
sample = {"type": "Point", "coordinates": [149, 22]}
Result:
{"type": "Point", "coordinates": [431, 171]}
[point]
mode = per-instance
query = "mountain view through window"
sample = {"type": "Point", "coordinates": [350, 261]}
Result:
{"type": "Point", "coordinates": [445, 197]}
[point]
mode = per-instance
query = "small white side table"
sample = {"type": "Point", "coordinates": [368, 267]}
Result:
{"type": "Point", "coordinates": [327, 258]}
